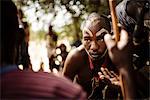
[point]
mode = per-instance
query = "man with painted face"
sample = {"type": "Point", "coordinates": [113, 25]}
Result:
{"type": "Point", "coordinates": [91, 58]}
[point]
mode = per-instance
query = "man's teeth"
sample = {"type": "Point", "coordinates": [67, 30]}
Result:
{"type": "Point", "coordinates": [94, 55]}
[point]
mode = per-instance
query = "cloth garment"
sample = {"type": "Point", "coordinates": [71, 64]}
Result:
{"type": "Point", "coordinates": [26, 84]}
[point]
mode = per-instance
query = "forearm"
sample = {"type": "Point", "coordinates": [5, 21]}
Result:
{"type": "Point", "coordinates": [128, 85]}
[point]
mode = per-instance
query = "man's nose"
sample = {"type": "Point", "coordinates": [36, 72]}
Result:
{"type": "Point", "coordinates": [94, 46]}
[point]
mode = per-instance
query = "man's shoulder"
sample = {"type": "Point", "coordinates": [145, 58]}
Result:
{"type": "Point", "coordinates": [76, 58]}
{"type": "Point", "coordinates": [78, 52]}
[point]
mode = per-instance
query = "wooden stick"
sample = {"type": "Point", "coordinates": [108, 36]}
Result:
{"type": "Point", "coordinates": [112, 5]}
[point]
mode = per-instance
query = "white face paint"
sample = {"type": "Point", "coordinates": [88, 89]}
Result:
{"type": "Point", "coordinates": [86, 30]}
{"type": "Point", "coordinates": [103, 30]}
{"type": "Point", "coordinates": [95, 39]}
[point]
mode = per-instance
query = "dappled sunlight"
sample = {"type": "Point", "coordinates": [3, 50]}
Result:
{"type": "Point", "coordinates": [38, 55]}
{"type": "Point", "coordinates": [20, 67]}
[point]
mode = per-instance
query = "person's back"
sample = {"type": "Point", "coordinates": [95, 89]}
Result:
{"type": "Point", "coordinates": [26, 84]}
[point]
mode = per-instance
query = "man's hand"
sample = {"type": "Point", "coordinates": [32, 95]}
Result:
{"type": "Point", "coordinates": [119, 52]}
{"type": "Point", "coordinates": [109, 77]}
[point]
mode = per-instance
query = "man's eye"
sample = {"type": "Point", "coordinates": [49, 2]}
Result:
{"type": "Point", "coordinates": [87, 39]}
{"type": "Point", "coordinates": [100, 39]}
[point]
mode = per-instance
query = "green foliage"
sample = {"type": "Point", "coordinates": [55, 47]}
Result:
{"type": "Point", "coordinates": [40, 35]}
{"type": "Point", "coordinates": [77, 8]}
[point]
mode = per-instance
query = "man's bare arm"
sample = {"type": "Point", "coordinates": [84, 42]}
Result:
{"type": "Point", "coordinates": [70, 66]}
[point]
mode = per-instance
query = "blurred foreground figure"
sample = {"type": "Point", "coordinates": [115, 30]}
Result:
{"type": "Point", "coordinates": [121, 56]}
{"type": "Point", "coordinates": [134, 16]}
{"type": "Point", "coordinates": [17, 84]}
